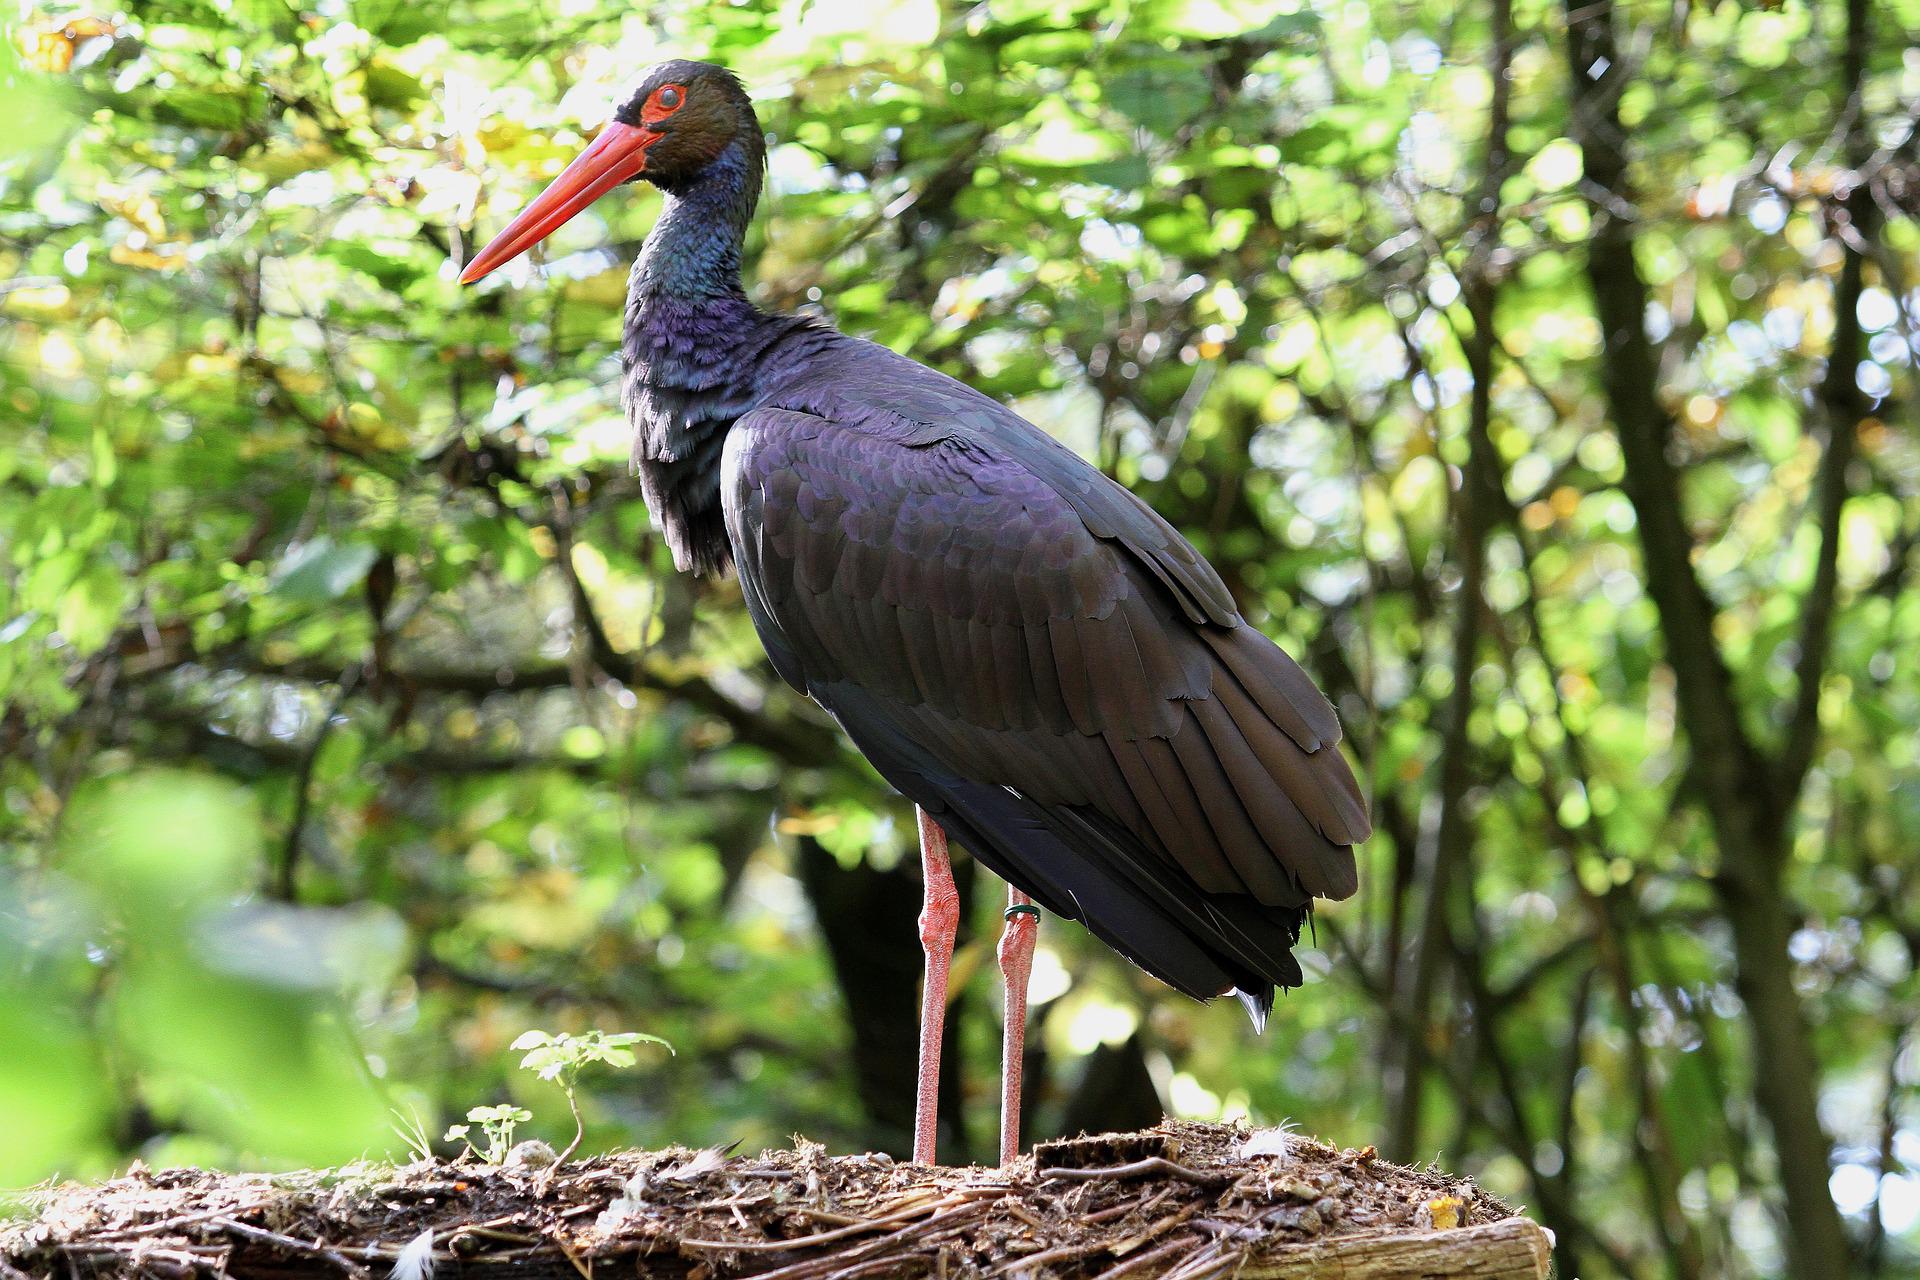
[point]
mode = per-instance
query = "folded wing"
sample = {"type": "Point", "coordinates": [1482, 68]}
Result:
{"type": "Point", "coordinates": [1030, 653]}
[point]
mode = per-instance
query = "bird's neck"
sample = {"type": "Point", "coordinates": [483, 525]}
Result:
{"type": "Point", "coordinates": [693, 351]}
{"type": "Point", "coordinates": [693, 252]}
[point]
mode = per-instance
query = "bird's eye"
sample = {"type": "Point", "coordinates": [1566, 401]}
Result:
{"type": "Point", "coordinates": [669, 97]}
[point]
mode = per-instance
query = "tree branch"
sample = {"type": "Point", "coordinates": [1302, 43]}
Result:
{"type": "Point", "coordinates": [286, 874]}
{"type": "Point", "coordinates": [1841, 406]}
{"type": "Point", "coordinates": [1726, 758]}
{"type": "Point", "coordinates": [1736, 781]}
{"type": "Point", "coordinates": [1480, 506]}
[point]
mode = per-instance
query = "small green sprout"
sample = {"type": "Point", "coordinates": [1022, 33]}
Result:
{"type": "Point", "coordinates": [560, 1058]}
{"type": "Point", "coordinates": [413, 1131]}
{"type": "Point", "coordinates": [497, 1125]}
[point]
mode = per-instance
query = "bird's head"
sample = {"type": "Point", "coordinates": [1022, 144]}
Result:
{"type": "Point", "coordinates": [680, 121]}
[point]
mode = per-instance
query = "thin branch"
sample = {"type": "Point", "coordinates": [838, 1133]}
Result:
{"type": "Point", "coordinates": [287, 873]}
{"type": "Point", "coordinates": [1841, 407]}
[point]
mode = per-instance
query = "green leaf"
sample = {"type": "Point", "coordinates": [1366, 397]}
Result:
{"type": "Point", "coordinates": [321, 569]}
{"type": "Point", "coordinates": [1161, 94]}
{"type": "Point", "coordinates": [90, 609]}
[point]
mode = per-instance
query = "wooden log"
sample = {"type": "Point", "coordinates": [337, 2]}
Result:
{"type": "Point", "coordinates": [1178, 1202]}
{"type": "Point", "coordinates": [1513, 1249]}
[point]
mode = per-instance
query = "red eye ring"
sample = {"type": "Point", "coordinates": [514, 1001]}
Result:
{"type": "Point", "coordinates": [663, 102]}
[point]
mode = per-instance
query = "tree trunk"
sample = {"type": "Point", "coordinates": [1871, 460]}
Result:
{"type": "Point", "coordinates": [1479, 507]}
{"type": "Point", "coordinates": [1738, 785]}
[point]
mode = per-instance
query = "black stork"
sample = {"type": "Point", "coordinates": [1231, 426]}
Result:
{"type": "Point", "coordinates": [1021, 646]}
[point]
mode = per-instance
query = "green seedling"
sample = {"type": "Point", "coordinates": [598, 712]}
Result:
{"type": "Point", "coordinates": [496, 1126]}
{"type": "Point", "coordinates": [559, 1058]}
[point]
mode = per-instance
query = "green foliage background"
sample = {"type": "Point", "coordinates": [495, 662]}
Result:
{"type": "Point", "coordinates": [355, 721]}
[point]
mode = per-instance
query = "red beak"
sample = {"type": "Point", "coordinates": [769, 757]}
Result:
{"type": "Point", "coordinates": [617, 155]}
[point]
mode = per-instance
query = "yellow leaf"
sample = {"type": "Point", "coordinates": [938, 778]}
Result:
{"type": "Point", "coordinates": [811, 824]}
{"type": "Point", "coordinates": [501, 134]}
{"type": "Point", "coordinates": [282, 162]}
{"type": "Point", "coordinates": [43, 302]}
{"type": "Point", "coordinates": [128, 256]}
{"type": "Point", "coordinates": [139, 208]}
{"type": "Point", "coordinates": [368, 428]}
{"type": "Point", "coordinates": [212, 364]}
{"type": "Point", "coordinates": [301, 382]}
{"type": "Point", "coordinates": [50, 52]}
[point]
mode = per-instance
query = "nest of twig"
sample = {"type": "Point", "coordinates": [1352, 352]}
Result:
{"type": "Point", "coordinates": [1194, 1202]}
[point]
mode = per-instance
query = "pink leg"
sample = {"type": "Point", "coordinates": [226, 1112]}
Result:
{"type": "Point", "coordinates": [939, 918]}
{"type": "Point", "coordinates": [1016, 964]}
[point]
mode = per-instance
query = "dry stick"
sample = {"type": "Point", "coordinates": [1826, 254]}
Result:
{"type": "Point", "coordinates": [1068, 1252]}
{"type": "Point", "coordinates": [875, 1264]}
{"type": "Point", "coordinates": [487, 1231]}
{"type": "Point", "coordinates": [1201, 1264]}
{"type": "Point", "coordinates": [166, 1225]}
{"type": "Point", "coordinates": [818, 1215]}
{"type": "Point", "coordinates": [110, 1252]}
{"type": "Point", "coordinates": [824, 1237]}
{"type": "Point", "coordinates": [1062, 1253]}
{"type": "Point", "coordinates": [179, 1262]}
{"type": "Point", "coordinates": [585, 1272]}
{"type": "Point", "coordinates": [1154, 1232]}
{"type": "Point", "coordinates": [289, 1243]}
{"type": "Point", "coordinates": [1125, 1207]}
{"type": "Point", "coordinates": [1152, 1255]}
{"type": "Point", "coordinates": [816, 1266]}
{"type": "Point", "coordinates": [1140, 1169]}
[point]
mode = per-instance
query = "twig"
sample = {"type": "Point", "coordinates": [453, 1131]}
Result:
{"type": "Point", "coordinates": [288, 871]}
{"type": "Point", "coordinates": [488, 1232]}
{"type": "Point", "coordinates": [1069, 1252]}
{"type": "Point", "coordinates": [1154, 1232]}
{"type": "Point", "coordinates": [585, 1271]}
{"type": "Point", "coordinates": [886, 1263]}
{"type": "Point", "coordinates": [824, 1237]}
{"type": "Point", "coordinates": [1151, 1256]}
{"type": "Point", "coordinates": [163, 1226]}
{"type": "Point", "coordinates": [924, 1228]}
{"type": "Point", "coordinates": [1125, 1207]}
{"type": "Point", "coordinates": [1142, 1168]}
{"type": "Point", "coordinates": [291, 1245]}
{"type": "Point", "coordinates": [818, 1215]}
{"type": "Point", "coordinates": [1201, 1264]}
